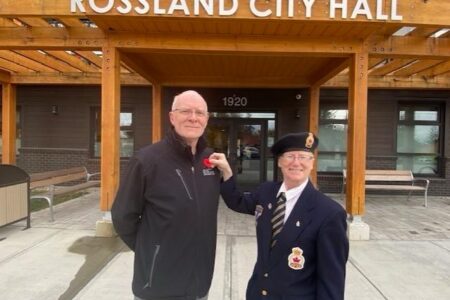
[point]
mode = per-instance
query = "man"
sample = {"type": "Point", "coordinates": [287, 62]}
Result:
{"type": "Point", "coordinates": [301, 233]}
{"type": "Point", "coordinates": [166, 208]}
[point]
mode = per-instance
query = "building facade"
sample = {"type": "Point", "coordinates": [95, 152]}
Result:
{"type": "Point", "coordinates": [59, 127]}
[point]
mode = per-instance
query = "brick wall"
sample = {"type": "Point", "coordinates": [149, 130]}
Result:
{"type": "Point", "coordinates": [35, 160]}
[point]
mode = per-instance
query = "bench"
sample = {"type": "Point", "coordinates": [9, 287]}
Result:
{"type": "Point", "coordinates": [51, 179]}
{"type": "Point", "coordinates": [392, 180]}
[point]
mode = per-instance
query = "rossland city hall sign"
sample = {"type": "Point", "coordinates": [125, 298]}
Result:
{"type": "Point", "coordinates": [342, 9]}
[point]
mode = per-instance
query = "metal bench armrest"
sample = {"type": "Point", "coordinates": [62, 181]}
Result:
{"type": "Point", "coordinates": [423, 180]}
{"type": "Point", "coordinates": [89, 175]}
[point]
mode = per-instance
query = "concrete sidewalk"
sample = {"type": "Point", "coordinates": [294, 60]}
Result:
{"type": "Point", "coordinates": [408, 256]}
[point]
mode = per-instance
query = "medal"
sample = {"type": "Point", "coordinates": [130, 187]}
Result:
{"type": "Point", "coordinates": [258, 211]}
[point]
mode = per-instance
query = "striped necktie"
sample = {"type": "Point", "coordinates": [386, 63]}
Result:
{"type": "Point", "coordinates": [278, 217]}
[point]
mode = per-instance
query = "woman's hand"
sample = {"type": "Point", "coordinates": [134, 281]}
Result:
{"type": "Point", "coordinates": [220, 161]}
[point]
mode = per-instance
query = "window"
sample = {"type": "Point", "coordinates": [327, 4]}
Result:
{"type": "Point", "coordinates": [18, 131]}
{"type": "Point", "coordinates": [333, 138]}
{"type": "Point", "coordinates": [418, 138]}
{"type": "Point", "coordinates": [126, 133]}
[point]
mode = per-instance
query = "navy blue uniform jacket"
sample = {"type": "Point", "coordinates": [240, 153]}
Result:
{"type": "Point", "coordinates": [317, 225]}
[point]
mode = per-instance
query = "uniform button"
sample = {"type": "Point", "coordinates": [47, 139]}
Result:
{"type": "Point", "coordinates": [264, 292]}
{"type": "Point", "coordinates": [266, 275]}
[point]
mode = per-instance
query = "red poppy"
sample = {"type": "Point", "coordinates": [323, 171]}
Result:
{"type": "Point", "coordinates": [207, 163]}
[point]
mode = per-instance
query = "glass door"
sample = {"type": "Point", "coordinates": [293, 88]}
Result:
{"type": "Point", "coordinates": [249, 153]}
{"type": "Point", "coordinates": [243, 142]}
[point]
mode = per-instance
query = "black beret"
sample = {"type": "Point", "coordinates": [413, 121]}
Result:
{"type": "Point", "coordinates": [303, 141]}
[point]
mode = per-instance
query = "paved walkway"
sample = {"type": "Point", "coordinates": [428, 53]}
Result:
{"type": "Point", "coordinates": [408, 256]}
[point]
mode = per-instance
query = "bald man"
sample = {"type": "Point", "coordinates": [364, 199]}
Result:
{"type": "Point", "coordinates": [166, 208]}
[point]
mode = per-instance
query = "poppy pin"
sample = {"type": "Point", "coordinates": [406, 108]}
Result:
{"type": "Point", "coordinates": [207, 163]}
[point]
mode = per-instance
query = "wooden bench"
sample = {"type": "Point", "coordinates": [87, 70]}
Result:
{"type": "Point", "coordinates": [51, 179]}
{"type": "Point", "coordinates": [391, 180]}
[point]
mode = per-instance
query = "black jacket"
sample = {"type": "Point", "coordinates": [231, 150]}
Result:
{"type": "Point", "coordinates": [166, 212]}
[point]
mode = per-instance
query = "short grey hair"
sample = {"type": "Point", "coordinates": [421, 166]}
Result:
{"type": "Point", "coordinates": [188, 93]}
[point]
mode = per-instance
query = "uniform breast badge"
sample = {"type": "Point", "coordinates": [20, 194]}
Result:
{"type": "Point", "coordinates": [296, 259]}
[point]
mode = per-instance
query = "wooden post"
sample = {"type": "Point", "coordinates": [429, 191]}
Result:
{"type": "Point", "coordinates": [156, 112]}
{"type": "Point", "coordinates": [8, 123]}
{"type": "Point", "coordinates": [314, 95]}
{"type": "Point", "coordinates": [110, 150]}
{"type": "Point", "coordinates": [357, 132]}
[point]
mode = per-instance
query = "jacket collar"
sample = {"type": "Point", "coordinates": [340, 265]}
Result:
{"type": "Point", "coordinates": [180, 147]}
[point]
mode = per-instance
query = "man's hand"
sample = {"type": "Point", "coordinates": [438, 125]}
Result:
{"type": "Point", "coordinates": [220, 161]}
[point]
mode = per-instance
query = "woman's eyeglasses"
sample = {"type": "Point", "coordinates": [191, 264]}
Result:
{"type": "Point", "coordinates": [293, 157]}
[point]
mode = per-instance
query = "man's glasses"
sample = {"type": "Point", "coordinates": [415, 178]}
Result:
{"type": "Point", "coordinates": [293, 157]}
{"type": "Point", "coordinates": [188, 112]}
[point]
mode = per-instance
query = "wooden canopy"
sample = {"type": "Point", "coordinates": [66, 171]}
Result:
{"type": "Point", "coordinates": [42, 42]}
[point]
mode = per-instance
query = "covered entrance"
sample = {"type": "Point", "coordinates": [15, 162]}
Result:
{"type": "Point", "coordinates": [246, 139]}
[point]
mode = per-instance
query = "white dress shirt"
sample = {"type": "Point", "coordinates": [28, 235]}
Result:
{"type": "Point", "coordinates": [292, 196]}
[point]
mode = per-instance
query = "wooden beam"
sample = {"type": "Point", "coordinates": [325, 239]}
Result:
{"type": "Point", "coordinates": [391, 66]}
{"type": "Point", "coordinates": [411, 12]}
{"type": "Point", "coordinates": [374, 61]}
{"type": "Point", "coordinates": [207, 43]}
{"type": "Point", "coordinates": [13, 66]}
{"type": "Point", "coordinates": [24, 61]}
{"type": "Point", "coordinates": [110, 131]}
{"type": "Point", "coordinates": [34, 22]}
{"type": "Point", "coordinates": [395, 82]}
{"type": "Point", "coordinates": [220, 81]}
{"type": "Point", "coordinates": [48, 61]}
{"type": "Point", "coordinates": [144, 71]}
{"type": "Point", "coordinates": [51, 38]}
{"type": "Point", "coordinates": [73, 61]}
{"type": "Point", "coordinates": [333, 69]}
{"type": "Point", "coordinates": [5, 77]}
{"type": "Point", "coordinates": [379, 45]}
{"type": "Point", "coordinates": [356, 134]}
{"type": "Point", "coordinates": [97, 60]}
{"type": "Point", "coordinates": [8, 123]}
{"type": "Point", "coordinates": [437, 70]}
{"type": "Point", "coordinates": [416, 67]}
{"type": "Point", "coordinates": [156, 112]}
{"type": "Point", "coordinates": [340, 81]}
{"type": "Point", "coordinates": [313, 124]}
{"type": "Point", "coordinates": [409, 47]}
{"type": "Point", "coordinates": [91, 56]}
{"type": "Point", "coordinates": [71, 22]}
{"type": "Point", "coordinates": [5, 22]}
{"type": "Point", "coordinates": [424, 31]}
{"type": "Point", "coordinates": [75, 79]}
{"type": "Point", "coordinates": [93, 38]}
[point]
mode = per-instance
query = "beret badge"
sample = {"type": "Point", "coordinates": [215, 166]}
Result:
{"type": "Point", "coordinates": [309, 140]}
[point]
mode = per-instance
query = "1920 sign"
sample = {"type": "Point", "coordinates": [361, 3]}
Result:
{"type": "Point", "coordinates": [234, 101]}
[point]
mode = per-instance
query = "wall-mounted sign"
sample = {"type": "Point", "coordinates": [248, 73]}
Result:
{"type": "Point", "coordinates": [334, 9]}
{"type": "Point", "coordinates": [235, 101]}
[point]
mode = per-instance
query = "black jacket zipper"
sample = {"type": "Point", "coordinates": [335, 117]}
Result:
{"type": "Point", "coordinates": [184, 183]}
{"type": "Point", "coordinates": [152, 268]}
